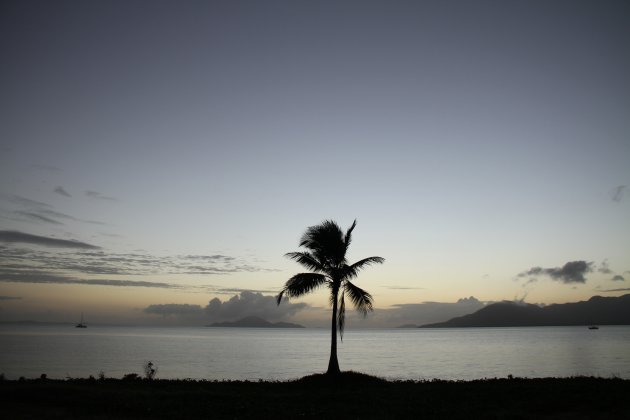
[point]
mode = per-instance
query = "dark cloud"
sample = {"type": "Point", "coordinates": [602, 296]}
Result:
{"type": "Point", "coordinates": [48, 278]}
{"type": "Point", "coordinates": [21, 237]}
{"type": "Point", "coordinates": [250, 303]}
{"type": "Point", "coordinates": [571, 272]}
{"type": "Point", "coordinates": [10, 298]}
{"type": "Point", "coordinates": [618, 193]}
{"type": "Point", "coordinates": [618, 278]}
{"type": "Point", "coordinates": [98, 195]}
{"type": "Point", "coordinates": [61, 191]}
{"type": "Point", "coordinates": [176, 309]}
{"type": "Point", "coordinates": [624, 289]}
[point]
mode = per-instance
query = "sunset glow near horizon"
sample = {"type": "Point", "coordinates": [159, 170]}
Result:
{"type": "Point", "coordinates": [177, 151]}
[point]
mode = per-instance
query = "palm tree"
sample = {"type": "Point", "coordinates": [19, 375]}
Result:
{"type": "Point", "coordinates": [326, 246]}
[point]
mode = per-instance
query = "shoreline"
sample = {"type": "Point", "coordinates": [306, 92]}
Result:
{"type": "Point", "coordinates": [351, 394]}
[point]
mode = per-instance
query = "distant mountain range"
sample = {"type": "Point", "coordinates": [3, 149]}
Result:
{"type": "Point", "coordinates": [597, 310]}
{"type": "Point", "coordinates": [254, 322]}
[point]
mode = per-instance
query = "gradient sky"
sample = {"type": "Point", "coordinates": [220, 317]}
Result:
{"type": "Point", "coordinates": [182, 147]}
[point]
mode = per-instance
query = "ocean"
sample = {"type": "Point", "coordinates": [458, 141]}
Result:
{"type": "Point", "coordinates": [280, 354]}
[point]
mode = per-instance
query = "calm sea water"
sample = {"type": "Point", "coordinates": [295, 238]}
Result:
{"type": "Point", "coordinates": [236, 353]}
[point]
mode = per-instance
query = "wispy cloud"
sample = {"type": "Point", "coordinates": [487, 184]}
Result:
{"type": "Point", "coordinates": [624, 289]}
{"type": "Point", "coordinates": [10, 298]}
{"type": "Point", "coordinates": [21, 237]}
{"type": "Point", "coordinates": [232, 290]}
{"type": "Point", "coordinates": [38, 217]}
{"type": "Point", "coordinates": [22, 201]}
{"type": "Point", "coordinates": [89, 260]}
{"type": "Point", "coordinates": [47, 278]}
{"type": "Point", "coordinates": [61, 191]}
{"type": "Point", "coordinates": [99, 196]}
{"type": "Point", "coordinates": [40, 212]}
{"type": "Point", "coordinates": [571, 272]}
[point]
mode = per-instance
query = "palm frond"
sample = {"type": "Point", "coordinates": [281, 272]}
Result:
{"type": "Point", "coordinates": [279, 297]}
{"type": "Point", "coordinates": [305, 259]}
{"type": "Point", "coordinates": [352, 271]}
{"type": "Point", "coordinates": [361, 299]}
{"type": "Point", "coordinates": [341, 316]}
{"type": "Point", "coordinates": [348, 237]}
{"type": "Point", "coordinates": [301, 284]}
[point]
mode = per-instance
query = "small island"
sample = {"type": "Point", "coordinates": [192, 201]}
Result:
{"type": "Point", "coordinates": [254, 322]}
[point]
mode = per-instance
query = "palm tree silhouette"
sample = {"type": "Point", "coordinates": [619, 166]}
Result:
{"type": "Point", "coordinates": [326, 246]}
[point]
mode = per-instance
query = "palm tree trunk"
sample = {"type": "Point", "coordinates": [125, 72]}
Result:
{"type": "Point", "coordinates": [333, 363]}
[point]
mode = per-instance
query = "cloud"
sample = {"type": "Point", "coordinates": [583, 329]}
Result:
{"type": "Point", "coordinates": [624, 289]}
{"type": "Point", "coordinates": [98, 195]}
{"type": "Point", "coordinates": [96, 261]}
{"type": "Point", "coordinates": [38, 217]}
{"type": "Point", "coordinates": [61, 191]}
{"type": "Point", "coordinates": [618, 278]}
{"type": "Point", "coordinates": [425, 312]}
{"type": "Point", "coordinates": [247, 303]}
{"type": "Point", "coordinates": [251, 304]}
{"type": "Point", "coordinates": [176, 309]}
{"type": "Point", "coordinates": [26, 202]}
{"type": "Point", "coordinates": [618, 193]}
{"type": "Point", "coordinates": [571, 272]}
{"type": "Point", "coordinates": [217, 257]}
{"type": "Point", "coordinates": [41, 212]}
{"type": "Point", "coordinates": [20, 237]}
{"type": "Point", "coordinates": [603, 268]}
{"type": "Point", "coordinates": [10, 298]}
{"type": "Point", "coordinates": [39, 277]}
{"type": "Point", "coordinates": [231, 290]}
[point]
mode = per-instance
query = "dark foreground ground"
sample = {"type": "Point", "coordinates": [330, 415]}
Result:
{"type": "Point", "coordinates": [351, 396]}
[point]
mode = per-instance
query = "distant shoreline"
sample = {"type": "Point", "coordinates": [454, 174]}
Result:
{"type": "Point", "coordinates": [352, 395]}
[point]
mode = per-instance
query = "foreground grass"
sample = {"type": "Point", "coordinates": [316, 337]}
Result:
{"type": "Point", "coordinates": [351, 395]}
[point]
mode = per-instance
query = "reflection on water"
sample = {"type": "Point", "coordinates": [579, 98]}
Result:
{"type": "Point", "coordinates": [227, 353]}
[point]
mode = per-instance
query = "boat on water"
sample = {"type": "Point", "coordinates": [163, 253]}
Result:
{"type": "Point", "coordinates": [81, 324]}
{"type": "Point", "coordinates": [593, 327]}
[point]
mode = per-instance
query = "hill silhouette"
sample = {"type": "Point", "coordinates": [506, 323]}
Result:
{"type": "Point", "coordinates": [254, 322]}
{"type": "Point", "coordinates": [597, 310]}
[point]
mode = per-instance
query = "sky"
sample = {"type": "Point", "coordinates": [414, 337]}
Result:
{"type": "Point", "coordinates": [159, 158]}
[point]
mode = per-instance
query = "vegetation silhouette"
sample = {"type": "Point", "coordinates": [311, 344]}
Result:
{"type": "Point", "coordinates": [320, 396]}
{"type": "Point", "coordinates": [327, 246]}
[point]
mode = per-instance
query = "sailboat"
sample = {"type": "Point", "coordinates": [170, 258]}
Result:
{"type": "Point", "coordinates": [81, 324]}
